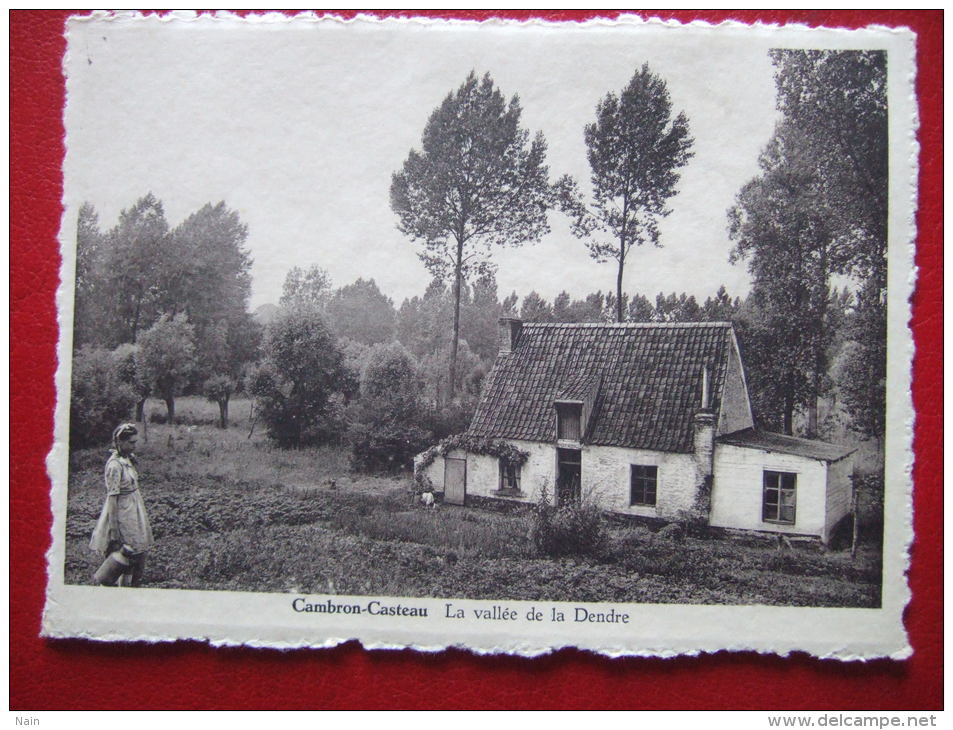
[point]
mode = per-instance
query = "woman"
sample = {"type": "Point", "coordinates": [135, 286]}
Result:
{"type": "Point", "coordinates": [123, 525]}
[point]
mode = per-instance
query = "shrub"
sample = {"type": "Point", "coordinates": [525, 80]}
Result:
{"type": "Point", "coordinates": [100, 400]}
{"type": "Point", "coordinates": [384, 432]}
{"type": "Point", "coordinates": [571, 529]}
{"type": "Point", "coordinates": [294, 387]}
{"type": "Point", "coordinates": [166, 358]}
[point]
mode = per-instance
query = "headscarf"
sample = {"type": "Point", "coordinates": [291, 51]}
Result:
{"type": "Point", "coordinates": [124, 431]}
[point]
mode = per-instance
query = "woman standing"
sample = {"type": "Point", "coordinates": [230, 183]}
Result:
{"type": "Point", "coordinates": [123, 533]}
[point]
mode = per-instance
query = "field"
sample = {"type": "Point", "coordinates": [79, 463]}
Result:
{"type": "Point", "coordinates": [231, 512]}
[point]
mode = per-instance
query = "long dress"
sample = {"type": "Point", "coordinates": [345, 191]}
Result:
{"type": "Point", "coordinates": [134, 530]}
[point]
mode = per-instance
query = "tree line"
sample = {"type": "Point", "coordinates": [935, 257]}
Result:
{"type": "Point", "coordinates": [816, 211]}
{"type": "Point", "coordinates": [158, 311]}
{"type": "Point", "coordinates": [167, 308]}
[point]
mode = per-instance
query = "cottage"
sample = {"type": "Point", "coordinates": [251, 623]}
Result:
{"type": "Point", "coordinates": [651, 420]}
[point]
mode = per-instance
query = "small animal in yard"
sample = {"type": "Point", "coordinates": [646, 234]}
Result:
{"type": "Point", "coordinates": [426, 498]}
{"type": "Point", "coordinates": [451, 558]}
{"type": "Point", "coordinates": [331, 484]}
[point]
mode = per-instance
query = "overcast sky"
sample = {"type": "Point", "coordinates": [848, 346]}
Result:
{"type": "Point", "coordinates": [299, 127]}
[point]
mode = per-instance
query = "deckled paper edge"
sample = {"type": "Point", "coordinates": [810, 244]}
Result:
{"type": "Point", "coordinates": [901, 351]}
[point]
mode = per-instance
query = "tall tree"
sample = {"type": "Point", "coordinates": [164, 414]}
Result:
{"type": "Point", "coordinates": [779, 226]}
{"type": "Point", "coordinates": [134, 250]}
{"type": "Point", "coordinates": [635, 149]}
{"type": "Point", "coordinates": [207, 275]}
{"type": "Point", "coordinates": [839, 101]}
{"type": "Point", "coordinates": [306, 288]}
{"type": "Point", "coordinates": [479, 321]}
{"type": "Point", "coordinates": [89, 292]}
{"type": "Point", "coordinates": [477, 182]}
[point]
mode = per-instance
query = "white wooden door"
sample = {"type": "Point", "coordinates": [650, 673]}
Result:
{"type": "Point", "coordinates": [454, 481]}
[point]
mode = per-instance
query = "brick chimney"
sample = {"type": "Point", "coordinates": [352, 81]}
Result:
{"type": "Point", "coordinates": [510, 328]}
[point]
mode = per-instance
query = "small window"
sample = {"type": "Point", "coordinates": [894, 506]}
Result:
{"type": "Point", "coordinates": [644, 484]}
{"type": "Point", "coordinates": [509, 475]}
{"type": "Point", "coordinates": [569, 416]}
{"type": "Point", "coordinates": [780, 497]}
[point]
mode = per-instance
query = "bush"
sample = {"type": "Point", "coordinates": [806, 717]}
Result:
{"type": "Point", "coordinates": [100, 400]}
{"type": "Point", "coordinates": [294, 387]}
{"type": "Point", "coordinates": [572, 529]}
{"type": "Point", "coordinates": [384, 432]}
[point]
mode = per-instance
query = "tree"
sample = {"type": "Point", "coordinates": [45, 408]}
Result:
{"type": "Point", "coordinates": [640, 309]}
{"type": "Point", "coordinates": [779, 226]}
{"type": "Point", "coordinates": [208, 277]}
{"type": "Point", "coordinates": [132, 373]}
{"type": "Point", "coordinates": [635, 149]}
{"type": "Point", "coordinates": [838, 100]}
{"type": "Point", "coordinates": [89, 292]}
{"type": "Point", "coordinates": [480, 325]}
{"type": "Point", "coordinates": [99, 400]}
{"type": "Point", "coordinates": [423, 322]}
{"type": "Point", "coordinates": [719, 308]}
{"type": "Point", "coordinates": [167, 356]}
{"type": "Point", "coordinates": [360, 311]}
{"type": "Point", "coordinates": [536, 309]}
{"type": "Point", "coordinates": [477, 182]}
{"type": "Point", "coordinates": [311, 288]}
{"type": "Point", "coordinates": [385, 432]}
{"type": "Point", "coordinates": [133, 252]}
{"type": "Point", "coordinates": [219, 389]}
{"type": "Point", "coordinates": [303, 370]}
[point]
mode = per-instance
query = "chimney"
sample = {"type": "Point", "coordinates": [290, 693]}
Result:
{"type": "Point", "coordinates": [706, 394]}
{"type": "Point", "coordinates": [510, 328]}
{"type": "Point", "coordinates": [703, 447]}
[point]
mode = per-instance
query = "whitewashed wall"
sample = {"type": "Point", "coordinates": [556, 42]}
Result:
{"type": "Point", "coordinates": [738, 485]}
{"type": "Point", "coordinates": [838, 492]}
{"type": "Point", "coordinates": [605, 477]}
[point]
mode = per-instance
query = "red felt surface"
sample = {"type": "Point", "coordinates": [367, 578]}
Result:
{"type": "Point", "coordinates": [79, 674]}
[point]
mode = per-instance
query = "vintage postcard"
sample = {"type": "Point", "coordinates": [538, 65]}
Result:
{"type": "Point", "coordinates": [504, 336]}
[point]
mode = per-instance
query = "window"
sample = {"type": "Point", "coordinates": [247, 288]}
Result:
{"type": "Point", "coordinates": [509, 475]}
{"type": "Point", "coordinates": [569, 416]}
{"type": "Point", "coordinates": [644, 483]}
{"type": "Point", "coordinates": [780, 497]}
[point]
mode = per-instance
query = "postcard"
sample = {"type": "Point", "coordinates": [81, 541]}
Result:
{"type": "Point", "coordinates": [507, 336]}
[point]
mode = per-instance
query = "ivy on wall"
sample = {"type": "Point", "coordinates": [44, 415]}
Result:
{"type": "Point", "coordinates": [503, 450]}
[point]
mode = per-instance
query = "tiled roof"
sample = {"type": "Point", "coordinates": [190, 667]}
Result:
{"type": "Point", "coordinates": [651, 381]}
{"type": "Point", "coordinates": [579, 387]}
{"type": "Point", "coordinates": [756, 439]}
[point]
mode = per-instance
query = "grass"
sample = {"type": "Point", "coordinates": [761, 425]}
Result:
{"type": "Point", "coordinates": [233, 513]}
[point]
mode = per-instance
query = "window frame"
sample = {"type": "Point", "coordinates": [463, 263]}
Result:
{"type": "Point", "coordinates": [643, 481]}
{"type": "Point", "coordinates": [574, 411]}
{"type": "Point", "coordinates": [779, 505]}
{"type": "Point", "coordinates": [516, 469]}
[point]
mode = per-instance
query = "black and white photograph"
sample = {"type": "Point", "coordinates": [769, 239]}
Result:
{"type": "Point", "coordinates": [501, 335]}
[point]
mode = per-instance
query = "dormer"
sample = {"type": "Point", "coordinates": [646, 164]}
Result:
{"type": "Point", "coordinates": [574, 408]}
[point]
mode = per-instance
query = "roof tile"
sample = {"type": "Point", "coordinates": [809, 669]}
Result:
{"type": "Point", "coordinates": [650, 377]}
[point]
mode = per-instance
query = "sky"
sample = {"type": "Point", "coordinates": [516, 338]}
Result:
{"type": "Point", "coordinates": [299, 127]}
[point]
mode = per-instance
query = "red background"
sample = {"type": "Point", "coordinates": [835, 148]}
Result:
{"type": "Point", "coordinates": [79, 674]}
